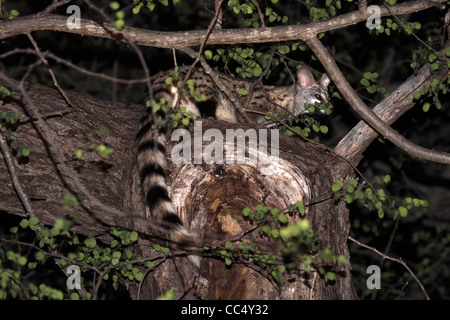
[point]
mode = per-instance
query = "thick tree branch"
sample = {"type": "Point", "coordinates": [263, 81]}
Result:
{"type": "Point", "coordinates": [389, 110]}
{"type": "Point", "coordinates": [184, 39]}
{"type": "Point", "coordinates": [366, 113]}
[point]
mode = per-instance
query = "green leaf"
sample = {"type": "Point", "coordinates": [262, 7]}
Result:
{"type": "Point", "coordinates": [304, 225]}
{"type": "Point", "coordinates": [4, 92]}
{"type": "Point", "coordinates": [403, 212]}
{"type": "Point", "coordinates": [349, 198]}
{"type": "Point", "coordinates": [71, 201]}
{"type": "Point", "coordinates": [114, 5]}
{"type": "Point", "coordinates": [434, 67]}
{"type": "Point", "coordinates": [367, 75]}
{"type": "Point", "coordinates": [139, 276]}
{"type": "Point", "coordinates": [283, 49]}
{"type": "Point", "coordinates": [119, 24]}
{"type": "Point", "coordinates": [39, 256]}
{"type": "Point", "coordinates": [90, 242]}
{"type": "Point", "coordinates": [104, 151]}
{"type": "Point", "coordinates": [168, 295]}
{"type": "Point", "coordinates": [282, 218]}
{"type": "Point", "coordinates": [165, 249]}
{"type": "Point", "coordinates": [208, 54]}
{"type": "Point", "coordinates": [22, 261]}
{"type": "Point", "coordinates": [78, 153]}
{"type": "Point", "coordinates": [23, 152]}
{"type": "Point", "coordinates": [257, 71]}
{"type": "Point", "coordinates": [350, 188]}
{"type": "Point", "coordinates": [301, 208]}
{"type": "Point", "coordinates": [432, 57]}
{"type": "Point", "coordinates": [330, 276]}
{"type": "Point", "coordinates": [365, 82]}
{"type": "Point", "coordinates": [62, 224]}
{"type": "Point", "coordinates": [133, 236]}
{"type": "Point", "coordinates": [185, 121]}
{"type": "Point", "coordinates": [242, 92]}
{"type": "Point", "coordinates": [337, 185]}
{"type": "Point", "coordinates": [24, 223]}
{"type": "Point", "coordinates": [246, 212]}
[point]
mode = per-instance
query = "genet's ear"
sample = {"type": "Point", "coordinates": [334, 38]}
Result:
{"type": "Point", "coordinates": [325, 80]}
{"type": "Point", "coordinates": [305, 78]}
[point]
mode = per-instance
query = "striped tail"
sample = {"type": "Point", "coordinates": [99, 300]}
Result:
{"type": "Point", "coordinates": [151, 164]}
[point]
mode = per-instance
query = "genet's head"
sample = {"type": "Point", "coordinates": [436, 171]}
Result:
{"type": "Point", "coordinates": [308, 90]}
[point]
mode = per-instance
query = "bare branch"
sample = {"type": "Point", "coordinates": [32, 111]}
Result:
{"type": "Point", "coordinates": [362, 5]}
{"type": "Point", "coordinates": [260, 14]}
{"type": "Point", "coordinates": [218, 5]}
{"type": "Point", "coordinates": [126, 37]}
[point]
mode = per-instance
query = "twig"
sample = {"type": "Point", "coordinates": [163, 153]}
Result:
{"type": "Point", "coordinates": [218, 4]}
{"type": "Point", "coordinates": [259, 80]}
{"type": "Point", "coordinates": [51, 254]}
{"type": "Point", "coordinates": [406, 29]}
{"type": "Point", "coordinates": [54, 5]}
{"type": "Point", "coordinates": [69, 64]}
{"type": "Point", "coordinates": [362, 6]}
{"type": "Point", "coordinates": [260, 14]}
{"type": "Point", "coordinates": [55, 82]}
{"type": "Point", "coordinates": [45, 116]}
{"type": "Point", "coordinates": [398, 260]}
{"type": "Point", "coordinates": [112, 30]}
{"type": "Point", "coordinates": [199, 54]}
{"type": "Point", "coordinates": [222, 86]}
{"type": "Point", "coordinates": [14, 176]}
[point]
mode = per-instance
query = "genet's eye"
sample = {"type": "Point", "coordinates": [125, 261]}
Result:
{"type": "Point", "coordinates": [318, 97]}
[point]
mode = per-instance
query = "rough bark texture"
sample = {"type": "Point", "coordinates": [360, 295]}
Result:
{"type": "Point", "coordinates": [209, 198]}
{"type": "Point", "coordinates": [44, 184]}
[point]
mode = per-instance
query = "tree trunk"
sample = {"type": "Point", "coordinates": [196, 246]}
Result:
{"type": "Point", "coordinates": [209, 198]}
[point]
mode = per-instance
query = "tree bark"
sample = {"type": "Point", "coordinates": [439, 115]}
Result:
{"type": "Point", "coordinates": [44, 183]}
{"type": "Point", "coordinates": [209, 198]}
